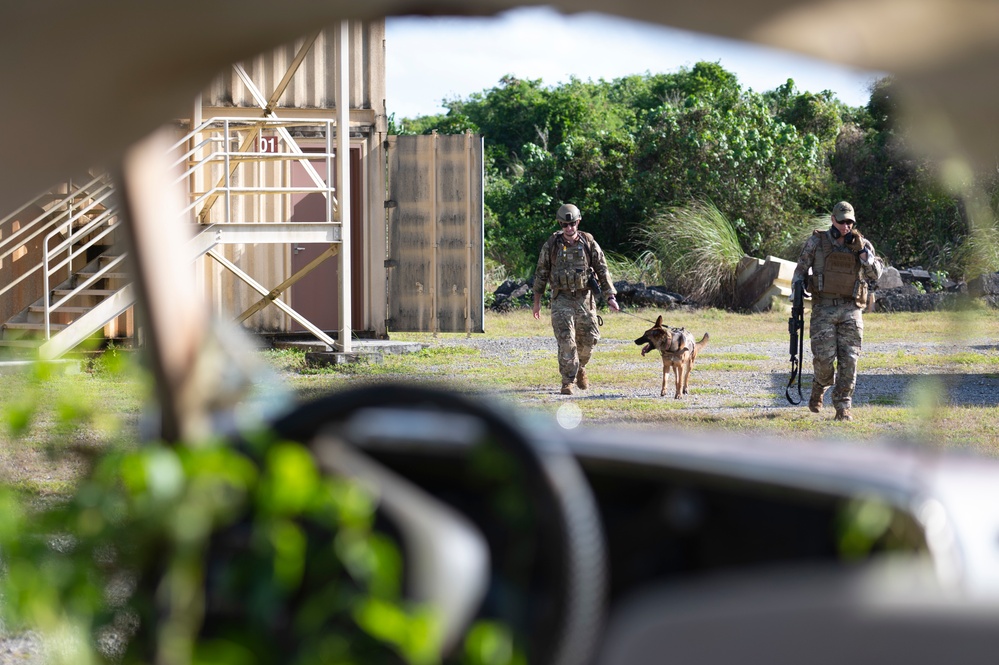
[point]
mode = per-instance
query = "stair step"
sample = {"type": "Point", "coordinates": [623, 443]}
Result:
{"type": "Point", "coordinates": [59, 293]}
{"type": "Point", "coordinates": [107, 275]}
{"type": "Point", "coordinates": [25, 325]}
{"type": "Point", "coordinates": [22, 343]}
{"type": "Point", "coordinates": [65, 309]}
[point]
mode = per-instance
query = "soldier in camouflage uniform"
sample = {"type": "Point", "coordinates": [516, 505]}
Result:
{"type": "Point", "coordinates": [568, 258]}
{"type": "Point", "coordinates": [841, 262]}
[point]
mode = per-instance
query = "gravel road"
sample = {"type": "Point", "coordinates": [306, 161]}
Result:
{"type": "Point", "coordinates": [763, 387]}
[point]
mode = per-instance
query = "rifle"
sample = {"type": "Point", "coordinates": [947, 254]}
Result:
{"type": "Point", "coordinates": [598, 293]}
{"type": "Point", "coordinates": [796, 329]}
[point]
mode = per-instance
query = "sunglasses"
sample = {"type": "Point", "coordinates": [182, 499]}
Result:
{"type": "Point", "coordinates": [566, 225]}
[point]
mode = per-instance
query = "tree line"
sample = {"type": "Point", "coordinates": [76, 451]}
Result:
{"type": "Point", "coordinates": [629, 150]}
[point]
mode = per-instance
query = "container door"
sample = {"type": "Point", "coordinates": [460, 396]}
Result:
{"type": "Point", "coordinates": [435, 233]}
{"type": "Point", "coordinates": [316, 296]}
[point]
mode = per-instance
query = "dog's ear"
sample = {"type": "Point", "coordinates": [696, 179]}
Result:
{"type": "Point", "coordinates": [659, 321]}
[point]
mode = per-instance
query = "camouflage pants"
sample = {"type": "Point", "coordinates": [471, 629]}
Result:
{"type": "Point", "coordinates": [574, 321]}
{"type": "Point", "coordinates": [836, 333]}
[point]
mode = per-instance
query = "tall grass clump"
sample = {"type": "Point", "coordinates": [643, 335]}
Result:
{"type": "Point", "coordinates": [645, 269]}
{"type": "Point", "coordinates": [698, 252]}
{"type": "Point", "coordinates": [979, 252]}
{"type": "Point", "coordinates": [799, 231]}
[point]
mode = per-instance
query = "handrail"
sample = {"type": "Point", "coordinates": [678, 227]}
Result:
{"type": "Point", "coordinates": [56, 221]}
{"type": "Point", "coordinates": [79, 287]}
{"type": "Point", "coordinates": [67, 243]}
{"type": "Point", "coordinates": [54, 212]}
{"type": "Point", "coordinates": [214, 155]}
{"type": "Point", "coordinates": [72, 253]}
{"type": "Point", "coordinates": [243, 131]}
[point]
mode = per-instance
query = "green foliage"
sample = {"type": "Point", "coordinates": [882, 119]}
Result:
{"type": "Point", "coordinates": [904, 207]}
{"type": "Point", "coordinates": [174, 518]}
{"type": "Point", "coordinates": [700, 251]}
{"type": "Point", "coordinates": [754, 168]}
{"type": "Point", "coordinates": [625, 149]}
{"type": "Point", "coordinates": [209, 553]}
{"type": "Point", "coordinates": [798, 231]}
{"type": "Point", "coordinates": [645, 269]}
{"type": "Point", "coordinates": [820, 115]}
{"type": "Point", "coordinates": [451, 122]}
{"type": "Point", "coordinates": [772, 163]}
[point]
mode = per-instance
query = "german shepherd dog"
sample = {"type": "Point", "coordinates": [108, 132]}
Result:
{"type": "Point", "coordinates": [678, 349]}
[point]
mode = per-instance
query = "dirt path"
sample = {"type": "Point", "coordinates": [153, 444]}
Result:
{"type": "Point", "coordinates": [879, 380]}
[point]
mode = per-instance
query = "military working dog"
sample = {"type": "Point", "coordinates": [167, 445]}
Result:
{"type": "Point", "coordinates": [678, 349]}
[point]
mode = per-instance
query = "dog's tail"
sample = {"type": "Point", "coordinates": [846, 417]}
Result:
{"type": "Point", "coordinates": [703, 343]}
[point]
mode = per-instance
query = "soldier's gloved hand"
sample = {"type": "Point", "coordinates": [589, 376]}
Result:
{"type": "Point", "coordinates": [855, 241]}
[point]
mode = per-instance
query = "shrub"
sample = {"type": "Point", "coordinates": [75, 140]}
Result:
{"type": "Point", "coordinates": [698, 249]}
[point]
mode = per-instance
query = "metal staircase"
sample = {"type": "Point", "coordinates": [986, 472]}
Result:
{"type": "Point", "coordinates": [63, 265]}
{"type": "Point", "coordinates": [75, 287]}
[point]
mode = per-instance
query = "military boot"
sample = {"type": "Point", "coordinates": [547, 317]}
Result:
{"type": "Point", "coordinates": [815, 401]}
{"type": "Point", "coordinates": [843, 414]}
{"type": "Point", "coordinates": [566, 388]}
{"type": "Point", "coordinates": [581, 379]}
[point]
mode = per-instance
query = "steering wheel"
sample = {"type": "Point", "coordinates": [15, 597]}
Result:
{"type": "Point", "coordinates": [528, 496]}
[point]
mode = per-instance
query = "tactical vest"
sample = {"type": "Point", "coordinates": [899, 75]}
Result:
{"type": "Point", "coordinates": [837, 272]}
{"type": "Point", "coordinates": [570, 264]}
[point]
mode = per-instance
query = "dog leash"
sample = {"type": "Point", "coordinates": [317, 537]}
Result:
{"type": "Point", "coordinates": [622, 311]}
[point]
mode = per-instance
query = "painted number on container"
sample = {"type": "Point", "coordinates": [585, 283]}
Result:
{"type": "Point", "coordinates": [268, 144]}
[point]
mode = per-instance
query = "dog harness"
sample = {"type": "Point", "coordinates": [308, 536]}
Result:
{"type": "Point", "coordinates": [678, 339]}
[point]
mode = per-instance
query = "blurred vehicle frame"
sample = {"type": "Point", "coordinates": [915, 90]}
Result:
{"type": "Point", "coordinates": [703, 549]}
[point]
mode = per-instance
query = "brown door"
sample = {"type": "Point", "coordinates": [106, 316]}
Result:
{"type": "Point", "coordinates": [315, 296]}
{"type": "Point", "coordinates": [435, 233]}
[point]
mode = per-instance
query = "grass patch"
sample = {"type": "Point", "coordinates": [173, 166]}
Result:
{"type": "Point", "coordinates": [886, 400]}
{"type": "Point", "coordinates": [726, 366]}
{"type": "Point", "coordinates": [52, 420]}
{"type": "Point", "coordinates": [738, 356]}
{"type": "Point", "coordinates": [968, 358]}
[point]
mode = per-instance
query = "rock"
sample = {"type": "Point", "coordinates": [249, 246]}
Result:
{"type": "Point", "coordinates": [890, 279]}
{"type": "Point", "coordinates": [910, 275]}
{"type": "Point", "coordinates": [511, 295]}
{"type": "Point", "coordinates": [909, 299]}
{"type": "Point", "coordinates": [984, 285]}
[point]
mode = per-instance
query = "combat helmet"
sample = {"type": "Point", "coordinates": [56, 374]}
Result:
{"type": "Point", "coordinates": [568, 213]}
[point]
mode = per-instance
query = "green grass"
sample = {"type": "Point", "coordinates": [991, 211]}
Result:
{"type": "Point", "coordinates": [618, 371]}
{"type": "Point", "coordinates": [51, 419]}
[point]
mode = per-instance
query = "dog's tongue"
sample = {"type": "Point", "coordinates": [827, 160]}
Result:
{"type": "Point", "coordinates": [646, 349]}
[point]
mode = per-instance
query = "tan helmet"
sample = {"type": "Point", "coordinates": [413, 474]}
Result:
{"type": "Point", "coordinates": [568, 213]}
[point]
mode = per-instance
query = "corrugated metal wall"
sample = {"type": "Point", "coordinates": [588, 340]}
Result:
{"type": "Point", "coordinates": [313, 86]}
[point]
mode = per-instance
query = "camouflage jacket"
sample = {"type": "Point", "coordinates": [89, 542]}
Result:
{"type": "Point", "coordinates": [549, 258]}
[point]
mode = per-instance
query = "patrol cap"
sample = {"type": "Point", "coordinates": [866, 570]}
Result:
{"type": "Point", "coordinates": [844, 210]}
{"type": "Point", "coordinates": [570, 213]}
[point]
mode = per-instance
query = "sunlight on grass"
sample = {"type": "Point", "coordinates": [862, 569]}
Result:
{"type": "Point", "coordinates": [625, 386]}
{"type": "Point", "coordinates": [910, 403]}
{"type": "Point", "coordinates": [726, 366]}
